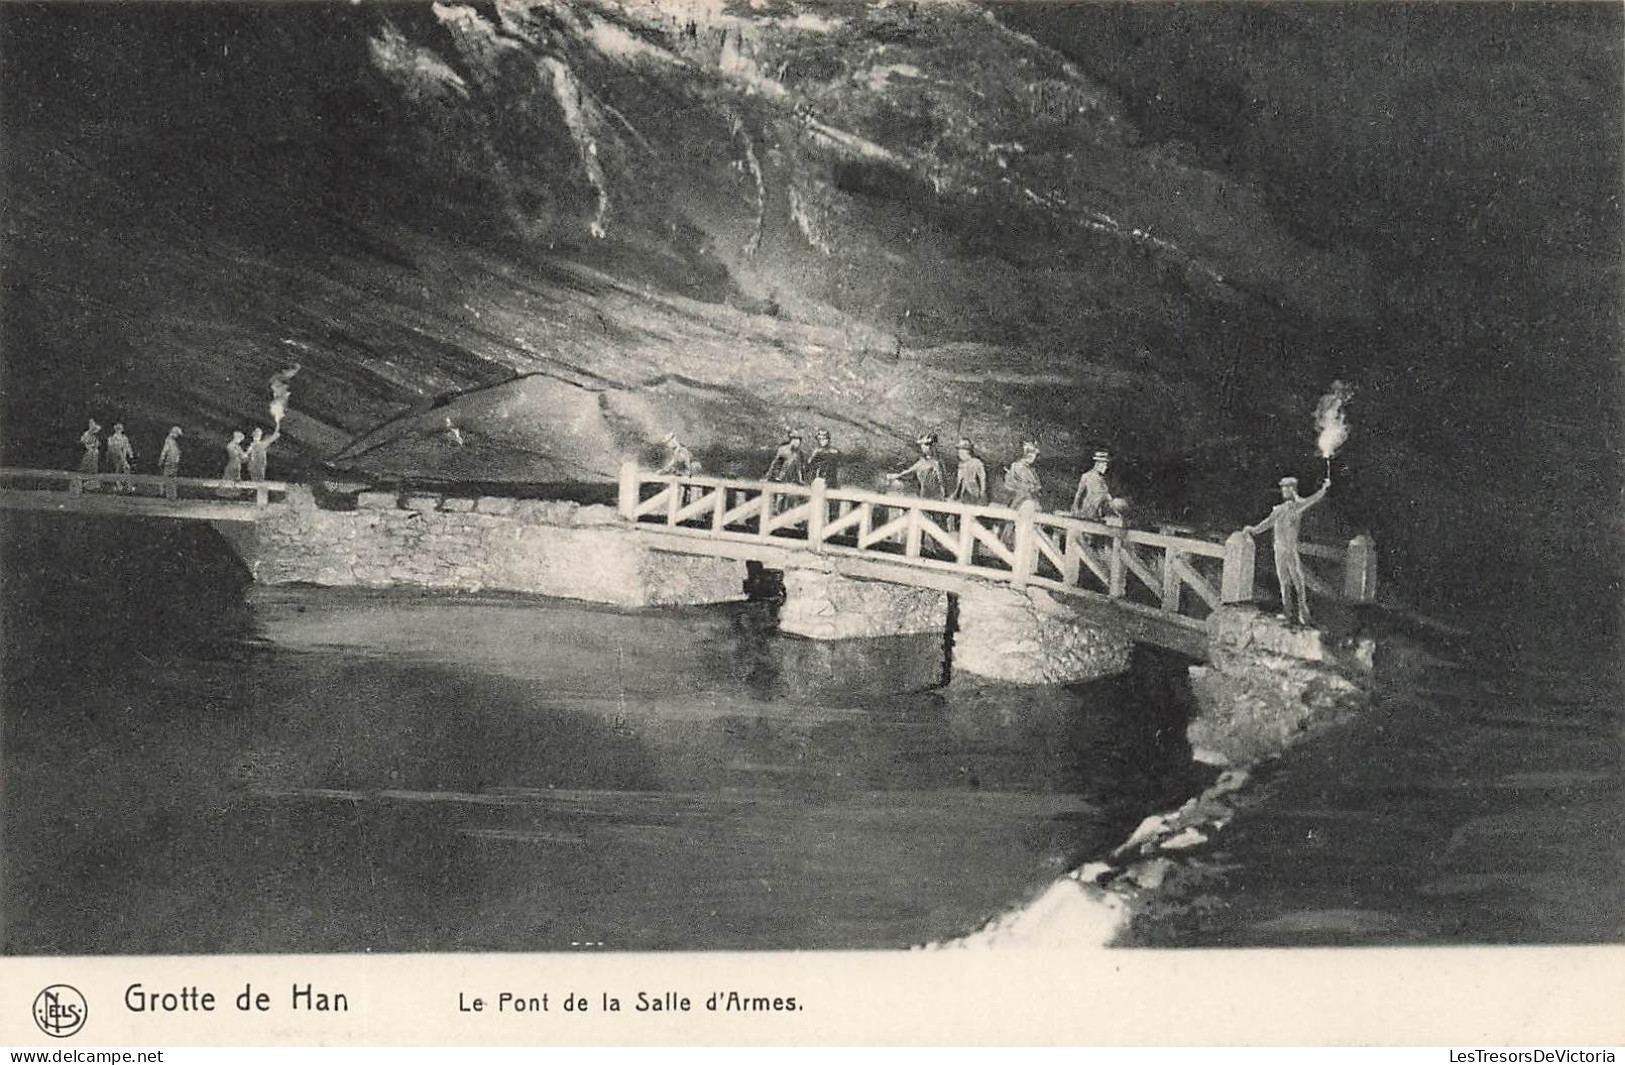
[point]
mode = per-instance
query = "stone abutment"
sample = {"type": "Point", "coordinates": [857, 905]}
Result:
{"type": "Point", "coordinates": [541, 547]}
{"type": "Point", "coordinates": [1268, 682]}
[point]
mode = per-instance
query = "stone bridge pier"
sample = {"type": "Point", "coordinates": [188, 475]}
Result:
{"type": "Point", "coordinates": [1024, 636]}
{"type": "Point", "coordinates": [823, 604]}
{"type": "Point", "coordinates": [1019, 636]}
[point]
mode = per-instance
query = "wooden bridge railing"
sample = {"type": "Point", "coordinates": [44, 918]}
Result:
{"type": "Point", "coordinates": [76, 483]}
{"type": "Point", "coordinates": [1178, 577]}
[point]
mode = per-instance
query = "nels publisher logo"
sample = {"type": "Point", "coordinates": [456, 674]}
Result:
{"type": "Point", "coordinates": [60, 1010]}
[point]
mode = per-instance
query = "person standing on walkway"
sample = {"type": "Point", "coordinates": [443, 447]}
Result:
{"type": "Point", "coordinates": [970, 479]}
{"type": "Point", "coordinates": [825, 461]}
{"type": "Point", "coordinates": [259, 453]}
{"type": "Point", "coordinates": [1094, 497]}
{"type": "Point", "coordinates": [91, 460]}
{"type": "Point", "coordinates": [119, 454]}
{"type": "Point", "coordinates": [789, 465]}
{"type": "Point", "coordinates": [926, 471]}
{"type": "Point", "coordinates": [169, 461]}
{"type": "Point", "coordinates": [1285, 520]}
{"type": "Point", "coordinates": [679, 459]}
{"type": "Point", "coordinates": [824, 464]}
{"type": "Point", "coordinates": [680, 463]}
{"type": "Point", "coordinates": [1021, 479]}
{"type": "Point", "coordinates": [235, 457]}
{"type": "Point", "coordinates": [91, 441]}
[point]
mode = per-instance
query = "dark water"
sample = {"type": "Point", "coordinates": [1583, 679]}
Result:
{"type": "Point", "coordinates": [1479, 799]}
{"type": "Point", "coordinates": [192, 768]}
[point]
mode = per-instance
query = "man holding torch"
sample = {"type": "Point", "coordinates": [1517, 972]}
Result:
{"type": "Point", "coordinates": [1285, 519]}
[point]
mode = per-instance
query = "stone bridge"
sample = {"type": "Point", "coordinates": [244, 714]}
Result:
{"type": "Point", "coordinates": [1024, 596]}
{"type": "Point", "coordinates": [1036, 597]}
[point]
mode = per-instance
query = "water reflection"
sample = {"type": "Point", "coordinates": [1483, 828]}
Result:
{"type": "Point", "coordinates": [354, 771]}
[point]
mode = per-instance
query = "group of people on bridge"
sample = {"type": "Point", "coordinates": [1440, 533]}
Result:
{"type": "Point", "coordinates": [254, 455]}
{"type": "Point", "coordinates": [927, 478]}
{"type": "Point", "coordinates": [1092, 501]}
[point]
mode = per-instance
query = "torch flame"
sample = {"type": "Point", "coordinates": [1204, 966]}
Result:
{"type": "Point", "coordinates": [280, 392]}
{"type": "Point", "coordinates": [1331, 425]}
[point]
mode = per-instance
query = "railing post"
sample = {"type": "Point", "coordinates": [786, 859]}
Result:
{"type": "Point", "coordinates": [911, 542]}
{"type": "Point", "coordinates": [1022, 568]}
{"type": "Point", "coordinates": [262, 494]}
{"type": "Point", "coordinates": [967, 539]}
{"type": "Point", "coordinates": [1072, 555]}
{"type": "Point", "coordinates": [1170, 581]}
{"type": "Point", "coordinates": [1119, 571]}
{"type": "Point", "coordinates": [817, 514]}
{"type": "Point", "coordinates": [76, 485]}
{"type": "Point", "coordinates": [1360, 570]}
{"type": "Point", "coordinates": [766, 513]}
{"type": "Point", "coordinates": [629, 489]}
{"type": "Point", "coordinates": [1240, 565]}
{"type": "Point", "coordinates": [721, 512]}
{"type": "Point", "coordinates": [675, 503]}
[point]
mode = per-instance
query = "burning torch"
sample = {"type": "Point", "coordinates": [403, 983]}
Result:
{"type": "Point", "coordinates": [1331, 423]}
{"type": "Point", "coordinates": [280, 392]}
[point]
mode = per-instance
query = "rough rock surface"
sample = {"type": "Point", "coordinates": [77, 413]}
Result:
{"type": "Point", "coordinates": [1267, 683]}
{"type": "Point", "coordinates": [1098, 904]}
{"type": "Point", "coordinates": [1070, 914]}
{"type": "Point", "coordinates": [1026, 637]}
{"type": "Point", "coordinates": [542, 547]}
{"type": "Point", "coordinates": [522, 239]}
{"type": "Point", "coordinates": [828, 606]}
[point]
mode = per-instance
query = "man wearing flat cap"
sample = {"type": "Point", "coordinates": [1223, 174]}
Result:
{"type": "Point", "coordinates": [789, 465]}
{"type": "Point", "coordinates": [926, 471]}
{"type": "Point", "coordinates": [1285, 519]}
{"type": "Point", "coordinates": [1094, 497]}
{"type": "Point", "coordinates": [970, 479]}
